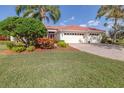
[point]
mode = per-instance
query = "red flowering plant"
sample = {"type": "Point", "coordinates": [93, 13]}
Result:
{"type": "Point", "coordinates": [2, 38]}
{"type": "Point", "coordinates": [45, 43]}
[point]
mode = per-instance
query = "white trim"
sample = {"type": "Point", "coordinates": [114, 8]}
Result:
{"type": "Point", "coordinates": [51, 30]}
{"type": "Point", "coordinates": [81, 31]}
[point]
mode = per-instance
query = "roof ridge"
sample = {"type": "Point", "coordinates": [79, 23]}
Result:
{"type": "Point", "coordinates": [73, 27]}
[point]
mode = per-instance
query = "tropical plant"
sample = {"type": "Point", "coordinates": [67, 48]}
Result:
{"type": "Point", "coordinates": [18, 48]}
{"type": "Point", "coordinates": [25, 30]}
{"type": "Point", "coordinates": [41, 12]}
{"type": "Point", "coordinates": [45, 43]}
{"type": "Point", "coordinates": [62, 43]}
{"type": "Point", "coordinates": [113, 13]}
{"type": "Point", "coordinates": [30, 48]}
{"type": "Point", "coordinates": [10, 45]}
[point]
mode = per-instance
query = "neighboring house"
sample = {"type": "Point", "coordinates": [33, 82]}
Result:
{"type": "Point", "coordinates": [75, 34]}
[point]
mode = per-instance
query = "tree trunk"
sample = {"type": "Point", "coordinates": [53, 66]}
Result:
{"type": "Point", "coordinates": [42, 14]}
{"type": "Point", "coordinates": [115, 30]}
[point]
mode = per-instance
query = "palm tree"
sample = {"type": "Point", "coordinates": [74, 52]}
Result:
{"type": "Point", "coordinates": [114, 13]}
{"type": "Point", "coordinates": [41, 12]}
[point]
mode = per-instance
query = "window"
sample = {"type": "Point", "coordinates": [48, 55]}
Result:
{"type": "Point", "coordinates": [72, 33]}
{"type": "Point", "coordinates": [94, 34]}
{"type": "Point", "coordinates": [82, 34]}
{"type": "Point", "coordinates": [67, 33]}
{"type": "Point", "coordinates": [78, 33]}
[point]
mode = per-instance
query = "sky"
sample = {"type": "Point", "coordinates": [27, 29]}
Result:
{"type": "Point", "coordinates": [83, 15]}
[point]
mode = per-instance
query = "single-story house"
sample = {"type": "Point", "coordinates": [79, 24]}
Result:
{"type": "Point", "coordinates": [75, 34]}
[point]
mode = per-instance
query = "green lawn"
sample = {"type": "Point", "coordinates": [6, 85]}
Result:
{"type": "Point", "coordinates": [60, 69]}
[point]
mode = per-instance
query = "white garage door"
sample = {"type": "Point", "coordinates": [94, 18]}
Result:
{"type": "Point", "coordinates": [73, 38]}
{"type": "Point", "coordinates": [79, 38]}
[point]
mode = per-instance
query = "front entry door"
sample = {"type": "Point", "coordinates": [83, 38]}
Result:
{"type": "Point", "coordinates": [51, 35]}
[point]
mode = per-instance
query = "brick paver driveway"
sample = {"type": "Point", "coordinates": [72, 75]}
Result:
{"type": "Point", "coordinates": [105, 50]}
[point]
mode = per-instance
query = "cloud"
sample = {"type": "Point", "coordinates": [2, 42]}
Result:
{"type": "Point", "coordinates": [71, 18]}
{"type": "Point", "coordinates": [83, 25]}
{"type": "Point", "coordinates": [62, 24]}
{"type": "Point", "coordinates": [93, 23]}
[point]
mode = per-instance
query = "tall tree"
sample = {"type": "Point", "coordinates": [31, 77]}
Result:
{"type": "Point", "coordinates": [41, 12]}
{"type": "Point", "coordinates": [114, 13]}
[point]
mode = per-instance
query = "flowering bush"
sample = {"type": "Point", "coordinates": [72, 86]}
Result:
{"type": "Point", "coordinates": [3, 38]}
{"type": "Point", "coordinates": [45, 43]}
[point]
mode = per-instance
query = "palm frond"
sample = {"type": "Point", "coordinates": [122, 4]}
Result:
{"type": "Point", "coordinates": [20, 9]}
{"type": "Point", "coordinates": [40, 12]}
{"type": "Point", "coordinates": [28, 13]}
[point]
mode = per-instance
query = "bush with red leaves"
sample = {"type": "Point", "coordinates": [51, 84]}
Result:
{"type": "Point", "coordinates": [3, 38]}
{"type": "Point", "coordinates": [45, 43]}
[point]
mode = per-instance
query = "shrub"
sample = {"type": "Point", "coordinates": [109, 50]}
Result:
{"type": "Point", "coordinates": [104, 38]}
{"type": "Point", "coordinates": [10, 45]}
{"type": "Point", "coordinates": [119, 42]}
{"type": "Point", "coordinates": [30, 48]}
{"type": "Point", "coordinates": [19, 44]}
{"type": "Point", "coordinates": [62, 44]}
{"type": "Point", "coordinates": [45, 43]}
{"type": "Point", "coordinates": [61, 41]}
{"type": "Point", "coordinates": [55, 41]}
{"type": "Point", "coordinates": [109, 41]}
{"type": "Point", "coordinates": [18, 48]}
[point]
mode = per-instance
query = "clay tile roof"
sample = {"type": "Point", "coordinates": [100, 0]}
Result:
{"type": "Point", "coordinates": [73, 28]}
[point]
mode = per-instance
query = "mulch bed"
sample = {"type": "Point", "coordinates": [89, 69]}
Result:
{"type": "Point", "coordinates": [9, 52]}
